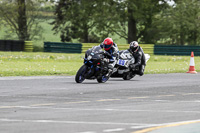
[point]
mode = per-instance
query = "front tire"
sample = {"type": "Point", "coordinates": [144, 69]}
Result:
{"type": "Point", "coordinates": [80, 75]}
{"type": "Point", "coordinates": [102, 79]}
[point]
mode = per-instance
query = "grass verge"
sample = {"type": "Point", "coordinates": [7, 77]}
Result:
{"type": "Point", "coordinates": [38, 63]}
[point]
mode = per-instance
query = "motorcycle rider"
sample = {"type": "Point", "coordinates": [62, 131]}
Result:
{"type": "Point", "coordinates": [109, 46]}
{"type": "Point", "coordinates": [139, 65]}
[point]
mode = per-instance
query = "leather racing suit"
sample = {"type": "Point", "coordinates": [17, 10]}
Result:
{"type": "Point", "coordinates": [140, 62]}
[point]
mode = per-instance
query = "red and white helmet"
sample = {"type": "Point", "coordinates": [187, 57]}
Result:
{"type": "Point", "coordinates": [107, 43]}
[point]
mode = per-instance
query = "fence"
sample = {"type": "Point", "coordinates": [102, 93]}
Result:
{"type": "Point", "coordinates": [176, 50]}
{"type": "Point", "coordinates": [147, 48]}
{"type": "Point", "coordinates": [16, 45]}
{"type": "Point", "coordinates": [58, 47]}
{"type": "Point", "coordinates": [11, 45]}
{"type": "Point", "coordinates": [28, 46]}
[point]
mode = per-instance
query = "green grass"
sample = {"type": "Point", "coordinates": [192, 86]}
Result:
{"type": "Point", "coordinates": [29, 64]}
{"type": "Point", "coordinates": [37, 63]}
{"type": "Point", "coordinates": [170, 64]}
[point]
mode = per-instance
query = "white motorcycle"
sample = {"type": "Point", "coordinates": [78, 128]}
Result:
{"type": "Point", "coordinates": [122, 68]}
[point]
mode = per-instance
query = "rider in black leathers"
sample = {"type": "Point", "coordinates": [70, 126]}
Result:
{"type": "Point", "coordinates": [140, 63]}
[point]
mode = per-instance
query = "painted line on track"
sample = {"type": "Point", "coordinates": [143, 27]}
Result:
{"type": "Point", "coordinates": [99, 109]}
{"type": "Point", "coordinates": [7, 107]}
{"type": "Point", "coordinates": [34, 77]}
{"type": "Point", "coordinates": [105, 100]}
{"type": "Point", "coordinates": [76, 102]}
{"type": "Point", "coordinates": [114, 130]}
{"type": "Point", "coordinates": [67, 122]}
{"type": "Point", "coordinates": [159, 126]}
{"type": "Point", "coordinates": [43, 104]}
{"type": "Point", "coordinates": [166, 95]}
{"type": "Point", "coordinates": [138, 97]}
{"type": "Point", "coordinates": [88, 132]}
{"type": "Point", "coordinates": [185, 94]}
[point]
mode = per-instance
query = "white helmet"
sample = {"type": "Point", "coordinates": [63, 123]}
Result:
{"type": "Point", "coordinates": [134, 46]}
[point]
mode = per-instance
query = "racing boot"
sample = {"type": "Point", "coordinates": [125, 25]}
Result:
{"type": "Point", "coordinates": [110, 70]}
{"type": "Point", "coordinates": [109, 73]}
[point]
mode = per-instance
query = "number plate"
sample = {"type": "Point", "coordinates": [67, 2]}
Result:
{"type": "Point", "coordinates": [121, 62]}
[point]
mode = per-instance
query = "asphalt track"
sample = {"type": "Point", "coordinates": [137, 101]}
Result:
{"type": "Point", "coordinates": [153, 103]}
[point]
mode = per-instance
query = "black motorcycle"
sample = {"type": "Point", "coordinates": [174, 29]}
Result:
{"type": "Point", "coordinates": [95, 66]}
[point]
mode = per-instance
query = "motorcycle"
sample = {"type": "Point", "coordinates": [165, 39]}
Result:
{"type": "Point", "coordinates": [122, 68]}
{"type": "Point", "coordinates": [95, 66]}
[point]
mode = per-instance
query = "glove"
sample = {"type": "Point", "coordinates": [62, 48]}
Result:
{"type": "Point", "coordinates": [107, 54]}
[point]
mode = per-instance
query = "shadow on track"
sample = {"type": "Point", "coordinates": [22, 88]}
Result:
{"type": "Point", "coordinates": [118, 79]}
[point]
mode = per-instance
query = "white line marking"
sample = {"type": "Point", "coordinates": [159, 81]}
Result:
{"type": "Point", "coordinates": [76, 102]}
{"type": "Point", "coordinates": [114, 130]}
{"type": "Point", "coordinates": [165, 95]}
{"type": "Point", "coordinates": [96, 109]}
{"type": "Point", "coordinates": [105, 100]}
{"type": "Point", "coordinates": [88, 132]}
{"type": "Point", "coordinates": [185, 94]}
{"type": "Point", "coordinates": [68, 122]}
{"type": "Point", "coordinates": [34, 77]}
{"type": "Point", "coordinates": [44, 104]}
{"type": "Point", "coordinates": [160, 100]}
{"type": "Point", "coordinates": [145, 126]}
{"type": "Point", "coordinates": [138, 97]}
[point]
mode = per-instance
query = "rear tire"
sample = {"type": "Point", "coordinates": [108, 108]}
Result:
{"type": "Point", "coordinates": [80, 75]}
{"type": "Point", "coordinates": [128, 76]}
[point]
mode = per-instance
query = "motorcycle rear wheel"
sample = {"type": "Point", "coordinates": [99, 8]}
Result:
{"type": "Point", "coordinates": [128, 76]}
{"type": "Point", "coordinates": [80, 75]}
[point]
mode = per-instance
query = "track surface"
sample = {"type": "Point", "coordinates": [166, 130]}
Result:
{"type": "Point", "coordinates": [56, 104]}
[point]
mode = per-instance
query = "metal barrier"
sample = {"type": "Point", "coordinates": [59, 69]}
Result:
{"type": "Point", "coordinates": [147, 48]}
{"type": "Point", "coordinates": [11, 45]}
{"type": "Point", "coordinates": [59, 47]}
{"type": "Point", "coordinates": [176, 50]}
{"type": "Point", "coordinates": [28, 46]}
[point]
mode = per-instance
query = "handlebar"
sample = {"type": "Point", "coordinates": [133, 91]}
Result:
{"type": "Point", "coordinates": [107, 54]}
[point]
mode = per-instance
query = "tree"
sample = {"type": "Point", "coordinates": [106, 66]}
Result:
{"type": "Point", "coordinates": [131, 19]}
{"type": "Point", "coordinates": [74, 19]}
{"type": "Point", "coordinates": [21, 17]}
{"type": "Point", "coordinates": [22, 20]}
{"type": "Point", "coordinates": [180, 24]}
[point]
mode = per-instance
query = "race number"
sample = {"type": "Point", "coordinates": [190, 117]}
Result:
{"type": "Point", "coordinates": [121, 62]}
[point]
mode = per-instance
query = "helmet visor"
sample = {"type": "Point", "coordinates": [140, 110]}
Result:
{"type": "Point", "coordinates": [107, 45]}
{"type": "Point", "coordinates": [134, 48]}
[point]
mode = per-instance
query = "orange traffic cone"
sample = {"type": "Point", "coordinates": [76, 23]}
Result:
{"type": "Point", "coordinates": [191, 68]}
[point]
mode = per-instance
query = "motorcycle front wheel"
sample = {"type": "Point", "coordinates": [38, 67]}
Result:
{"type": "Point", "coordinates": [80, 75]}
{"type": "Point", "coordinates": [102, 79]}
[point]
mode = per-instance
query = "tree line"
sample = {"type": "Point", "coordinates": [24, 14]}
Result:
{"type": "Point", "coordinates": [147, 21]}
